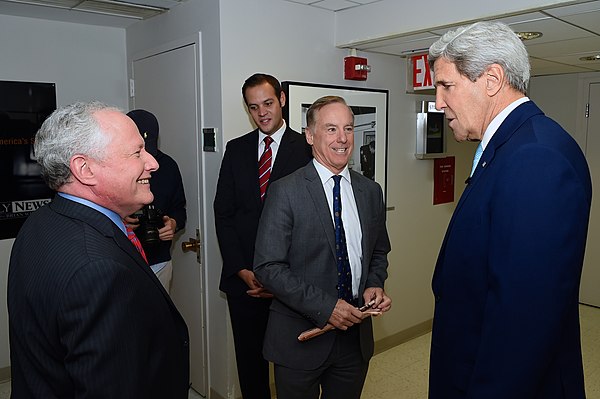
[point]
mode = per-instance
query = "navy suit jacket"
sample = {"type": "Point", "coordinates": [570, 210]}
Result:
{"type": "Point", "coordinates": [237, 202]}
{"type": "Point", "coordinates": [506, 282]}
{"type": "Point", "coordinates": [296, 260]}
{"type": "Point", "coordinates": [87, 316]}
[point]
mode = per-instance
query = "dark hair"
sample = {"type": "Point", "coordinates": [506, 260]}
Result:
{"type": "Point", "coordinates": [311, 117]}
{"type": "Point", "coordinates": [258, 79]}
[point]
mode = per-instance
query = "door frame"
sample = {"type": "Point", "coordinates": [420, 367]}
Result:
{"type": "Point", "coordinates": [195, 40]}
{"type": "Point", "coordinates": [585, 82]}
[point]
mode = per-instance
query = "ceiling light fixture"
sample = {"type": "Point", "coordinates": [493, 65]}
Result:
{"type": "Point", "coordinates": [529, 35]}
{"type": "Point", "coordinates": [590, 58]}
{"type": "Point", "coordinates": [108, 7]}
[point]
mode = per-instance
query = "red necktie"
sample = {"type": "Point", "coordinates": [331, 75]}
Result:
{"type": "Point", "coordinates": [264, 167]}
{"type": "Point", "coordinates": [135, 241]}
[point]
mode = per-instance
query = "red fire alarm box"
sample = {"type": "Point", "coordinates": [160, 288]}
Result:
{"type": "Point", "coordinates": [443, 180]}
{"type": "Point", "coordinates": [355, 68]}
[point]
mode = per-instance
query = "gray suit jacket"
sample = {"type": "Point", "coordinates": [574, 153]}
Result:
{"type": "Point", "coordinates": [295, 260]}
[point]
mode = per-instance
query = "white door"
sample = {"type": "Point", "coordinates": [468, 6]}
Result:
{"type": "Point", "coordinates": [166, 85]}
{"type": "Point", "coordinates": [590, 280]}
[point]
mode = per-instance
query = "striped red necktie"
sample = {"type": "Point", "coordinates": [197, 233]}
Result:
{"type": "Point", "coordinates": [135, 241]}
{"type": "Point", "coordinates": [264, 167]}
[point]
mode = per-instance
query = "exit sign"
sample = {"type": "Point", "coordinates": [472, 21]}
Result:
{"type": "Point", "coordinates": [422, 74]}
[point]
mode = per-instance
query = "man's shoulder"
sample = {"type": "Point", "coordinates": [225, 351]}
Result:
{"type": "Point", "coordinates": [299, 174]}
{"type": "Point", "coordinates": [244, 139]}
{"type": "Point", "coordinates": [363, 181]}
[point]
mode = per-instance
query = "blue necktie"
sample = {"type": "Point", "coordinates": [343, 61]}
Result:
{"type": "Point", "coordinates": [341, 251]}
{"type": "Point", "coordinates": [478, 153]}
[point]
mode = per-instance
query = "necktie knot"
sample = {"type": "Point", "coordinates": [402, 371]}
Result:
{"type": "Point", "coordinates": [268, 140]}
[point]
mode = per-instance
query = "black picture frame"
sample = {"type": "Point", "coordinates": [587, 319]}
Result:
{"type": "Point", "coordinates": [370, 107]}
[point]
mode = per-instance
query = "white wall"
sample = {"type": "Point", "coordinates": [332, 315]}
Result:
{"type": "Point", "coordinates": [85, 62]}
{"type": "Point", "coordinates": [543, 90]}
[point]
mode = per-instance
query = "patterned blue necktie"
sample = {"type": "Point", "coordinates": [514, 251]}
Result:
{"type": "Point", "coordinates": [341, 251]}
{"type": "Point", "coordinates": [478, 153]}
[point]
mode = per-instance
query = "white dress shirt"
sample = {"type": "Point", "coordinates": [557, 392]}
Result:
{"type": "Point", "coordinates": [350, 219]}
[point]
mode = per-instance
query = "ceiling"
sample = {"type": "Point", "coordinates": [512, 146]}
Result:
{"type": "Point", "coordinates": [569, 32]}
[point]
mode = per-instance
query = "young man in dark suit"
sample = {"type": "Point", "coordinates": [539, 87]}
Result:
{"type": "Point", "coordinates": [323, 253]}
{"type": "Point", "coordinates": [87, 316]}
{"type": "Point", "coordinates": [251, 162]}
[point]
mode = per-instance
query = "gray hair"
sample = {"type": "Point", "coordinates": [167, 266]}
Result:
{"type": "Point", "coordinates": [474, 47]}
{"type": "Point", "coordinates": [311, 114]}
{"type": "Point", "coordinates": [68, 131]}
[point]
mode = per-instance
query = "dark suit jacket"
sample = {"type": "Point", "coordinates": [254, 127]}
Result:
{"type": "Point", "coordinates": [87, 316]}
{"type": "Point", "coordinates": [237, 202]}
{"type": "Point", "coordinates": [506, 283]}
{"type": "Point", "coordinates": [295, 259]}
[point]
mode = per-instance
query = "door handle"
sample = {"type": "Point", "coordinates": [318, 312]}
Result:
{"type": "Point", "coordinates": [191, 245]}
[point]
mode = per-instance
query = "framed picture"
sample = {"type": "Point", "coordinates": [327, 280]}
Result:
{"type": "Point", "coordinates": [370, 122]}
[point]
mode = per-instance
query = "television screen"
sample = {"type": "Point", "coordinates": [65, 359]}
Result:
{"type": "Point", "coordinates": [23, 108]}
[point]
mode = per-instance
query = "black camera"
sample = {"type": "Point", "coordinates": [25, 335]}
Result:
{"type": "Point", "coordinates": [151, 219]}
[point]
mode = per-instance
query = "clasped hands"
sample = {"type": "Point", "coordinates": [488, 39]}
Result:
{"type": "Point", "coordinates": [256, 289]}
{"type": "Point", "coordinates": [345, 315]}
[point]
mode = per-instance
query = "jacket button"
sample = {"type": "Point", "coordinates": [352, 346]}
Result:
{"type": "Point", "coordinates": [185, 344]}
{"type": "Point", "coordinates": [438, 298]}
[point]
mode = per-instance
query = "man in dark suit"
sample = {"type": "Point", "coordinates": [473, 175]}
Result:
{"type": "Point", "coordinates": [506, 283]}
{"type": "Point", "coordinates": [320, 266]}
{"type": "Point", "coordinates": [238, 205]}
{"type": "Point", "coordinates": [87, 316]}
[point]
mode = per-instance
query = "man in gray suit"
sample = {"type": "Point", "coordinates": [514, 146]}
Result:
{"type": "Point", "coordinates": [304, 250]}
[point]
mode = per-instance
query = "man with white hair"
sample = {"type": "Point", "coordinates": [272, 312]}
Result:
{"type": "Point", "coordinates": [506, 283]}
{"type": "Point", "coordinates": [87, 316]}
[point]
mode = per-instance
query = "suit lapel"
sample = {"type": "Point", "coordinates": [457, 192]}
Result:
{"type": "Point", "coordinates": [106, 227]}
{"type": "Point", "coordinates": [506, 130]}
{"type": "Point", "coordinates": [363, 206]}
{"type": "Point", "coordinates": [248, 165]}
{"type": "Point", "coordinates": [314, 187]}
{"type": "Point", "coordinates": [284, 152]}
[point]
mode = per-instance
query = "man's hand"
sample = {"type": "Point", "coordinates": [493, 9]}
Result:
{"type": "Point", "coordinates": [256, 289]}
{"type": "Point", "coordinates": [132, 222]}
{"type": "Point", "coordinates": [344, 315]}
{"type": "Point", "coordinates": [167, 232]}
{"type": "Point", "coordinates": [383, 303]}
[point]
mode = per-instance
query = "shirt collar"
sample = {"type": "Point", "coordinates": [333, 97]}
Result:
{"type": "Point", "coordinates": [497, 121]}
{"type": "Point", "coordinates": [275, 136]}
{"type": "Point", "coordinates": [325, 174]}
{"type": "Point", "coordinates": [107, 212]}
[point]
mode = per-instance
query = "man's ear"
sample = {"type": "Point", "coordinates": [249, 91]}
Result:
{"type": "Point", "coordinates": [82, 170]}
{"type": "Point", "coordinates": [494, 79]}
{"type": "Point", "coordinates": [282, 99]}
{"type": "Point", "coordinates": [309, 136]}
